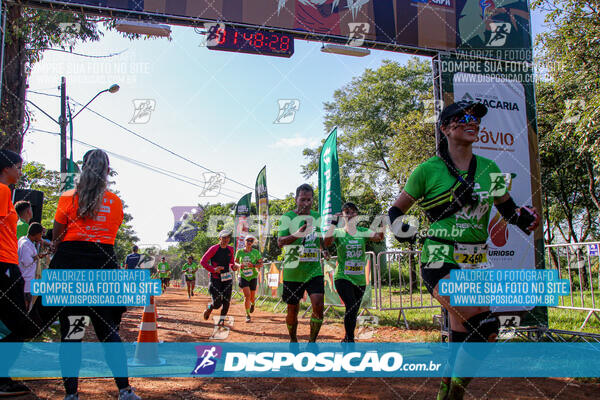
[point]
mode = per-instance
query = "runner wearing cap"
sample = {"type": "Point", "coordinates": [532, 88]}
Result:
{"type": "Point", "coordinates": [454, 189]}
{"type": "Point", "coordinates": [350, 280]}
{"type": "Point", "coordinates": [189, 271]}
{"type": "Point", "coordinates": [299, 237]}
{"type": "Point", "coordinates": [219, 262]}
{"type": "Point", "coordinates": [248, 260]}
{"type": "Point", "coordinates": [164, 273]}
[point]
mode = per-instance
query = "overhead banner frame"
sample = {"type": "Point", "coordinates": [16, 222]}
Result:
{"type": "Point", "coordinates": [493, 28]}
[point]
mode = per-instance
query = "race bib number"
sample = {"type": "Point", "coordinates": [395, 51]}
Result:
{"type": "Point", "coordinates": [226, 276]}
{"type": "Point", "coordinates": [309, 254]}
{"type": "Point", "coordinates": [354, 267]}
{"type": "Point", "coordinates": [247, 272]}
{"type": "Point", "coordinates": [470, 256]}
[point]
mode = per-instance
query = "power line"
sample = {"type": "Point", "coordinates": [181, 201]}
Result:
{"type": "Point", "coordinates": [152, 142]}
{"type": "Point", "coordinates": [141, 164]}
{"type": "Point", "coordinates": [162, 147]}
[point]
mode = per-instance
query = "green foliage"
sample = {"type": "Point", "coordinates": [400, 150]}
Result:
{"type": "Point", "coordinates": [381, 132]}
{"type": "Point", "coordinates": [35, 176]}
{"type": "Point", "coordinates": [569, 53]}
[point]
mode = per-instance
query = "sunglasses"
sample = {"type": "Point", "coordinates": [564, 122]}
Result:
{"type": "Point", "coordinates": [466, 119]}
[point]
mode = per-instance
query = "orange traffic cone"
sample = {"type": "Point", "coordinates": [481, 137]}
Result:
{"type": "Point", "coordinates": [146, 350]}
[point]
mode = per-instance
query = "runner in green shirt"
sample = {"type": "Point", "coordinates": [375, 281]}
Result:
{"type": "Point", "coordinates": [299, 237]}
{"type": "Point", "coordinates": [189, 270]}
{"type": "Point", "coordinates": [164, 273]}
{"type": "Point", "coordinates": [248, 260]}
{"type": "Point", "coordinates": [350, 280]}
{"type": "Point", "coordinates": [457, 190]}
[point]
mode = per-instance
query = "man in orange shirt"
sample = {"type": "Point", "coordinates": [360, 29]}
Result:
{"type": "Point", "coordinates": [15, 324]}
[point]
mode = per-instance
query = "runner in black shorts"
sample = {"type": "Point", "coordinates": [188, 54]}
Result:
{"type": "Point", "coordinates": [248, 260]}
{"type": "Point", "coordinates": [302, 262]}
{"type": "Point", "coordinates": [219, 261]}
{"type": "Point", "coordinates": [457, 190]}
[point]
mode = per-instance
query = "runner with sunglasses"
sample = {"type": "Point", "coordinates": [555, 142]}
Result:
{"type": "Point", "coordinates": [454, 190]}
{"type": "Point", "coordinates": [248, 260]}
{"type": "Point", "coordinates": [350, 280]}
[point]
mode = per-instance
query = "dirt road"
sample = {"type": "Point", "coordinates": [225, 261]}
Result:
{"type": "Point", "coordinates": [181, 320]}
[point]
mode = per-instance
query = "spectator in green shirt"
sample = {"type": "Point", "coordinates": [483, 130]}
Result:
{"type": "Point", "coordinates": [23, 209]}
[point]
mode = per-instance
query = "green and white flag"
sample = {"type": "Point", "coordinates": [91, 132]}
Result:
{"type": "Point", "coordinates": [262, 208]}
{"type": "Point", "coordinates": [242, 212]}
{"type": "Point", "coordinates": [330, 193]}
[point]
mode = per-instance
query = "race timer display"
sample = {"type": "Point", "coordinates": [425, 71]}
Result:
{"type": "Point", "coordinates": [250, 41]}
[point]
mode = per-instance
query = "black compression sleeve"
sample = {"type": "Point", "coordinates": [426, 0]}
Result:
{"type": "Point", "coordinates": [508, 210]}
{"type": "Point", "coordinates": [394, 212]}
{"type": "Point", "coordinates": [523, 219]}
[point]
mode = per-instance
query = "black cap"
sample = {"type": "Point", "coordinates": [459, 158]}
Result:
{"type": "Point", "coordinates": [477, 109]}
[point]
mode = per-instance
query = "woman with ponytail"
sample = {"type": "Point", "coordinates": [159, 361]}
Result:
{"type": "Point", "coordinates": [85, 226]}
{"type": "Point", "coordinates": [457, 190]}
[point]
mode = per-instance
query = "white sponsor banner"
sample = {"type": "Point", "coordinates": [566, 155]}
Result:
{"type": "Point", "coordinates": [503, 138]}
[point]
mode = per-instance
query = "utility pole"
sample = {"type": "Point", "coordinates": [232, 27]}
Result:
{"type": "Point", "coordinates": [63, 125]}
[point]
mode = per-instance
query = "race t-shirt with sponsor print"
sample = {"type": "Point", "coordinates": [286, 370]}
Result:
{"type": "Point", "coordinates": [189, 270]}
{"type": "Point", "coordinates": [469, 225]}
{"type": "Point", "coordinates": [252, 257]}
{"type": "Point", "coordinates": [164, 270]}
{"type": "Point", "coordinates": [351, 255]}
{"type": "Point", "coordinates": [302, 258]}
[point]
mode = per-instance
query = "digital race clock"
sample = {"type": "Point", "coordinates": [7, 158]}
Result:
{"type": "Point", "coordinates": [243, 40]}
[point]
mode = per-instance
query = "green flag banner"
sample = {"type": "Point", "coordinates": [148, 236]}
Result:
{"type": "Point", "coordinates": [330, 194]}
{"type": "Point", "coordinates": [242, 212]}
{"type": "Point", "coordinates": [262, 207]}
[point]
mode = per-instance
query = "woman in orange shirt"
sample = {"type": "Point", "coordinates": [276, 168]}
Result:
{"type": "Point", "coordinates": [15, 324]}
{"type": "Point", "coordinates": [85, 226]}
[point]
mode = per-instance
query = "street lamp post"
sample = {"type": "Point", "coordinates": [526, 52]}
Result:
{"type": "Point", "coordinates": [62, 120]}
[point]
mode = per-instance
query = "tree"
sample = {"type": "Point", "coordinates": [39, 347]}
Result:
{"type": "Point", "coordinates": [570, 53]}
{"type": "Point", "coordinates": [375, 114]}
{"type": "Point", "coordinates": [30, 32]}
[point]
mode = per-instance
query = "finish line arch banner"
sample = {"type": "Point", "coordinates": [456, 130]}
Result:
{"type": "Point", "coordinates": [507, 136]}
{"type": "Point", "coordinates": [419, 26]}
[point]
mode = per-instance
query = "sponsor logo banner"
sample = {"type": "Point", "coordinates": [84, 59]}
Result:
{"type": "Point", "coordinates": [308, 360]}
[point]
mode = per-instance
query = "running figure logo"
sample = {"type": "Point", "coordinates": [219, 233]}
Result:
{"type": "Point", "coordinates": [213, 182]}
{"type": "Point", "coordinates": [77, 324]}
{"type": "Point", "coordinates": [207, 363]}
{"type": "Point", "coordinates": [500, 183]}
{"type": "Point", "coordinates": [437, 255]}
{"type": "Point", "coordinates": [287, 111]}
{"type": "Point", "coordinates": [358, 33]}
{"type": "Point", "coordinates": [142, 110]}
{"type": "Point", "coordinates": [500, 31]}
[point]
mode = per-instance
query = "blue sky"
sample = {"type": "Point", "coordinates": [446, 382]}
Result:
{"type": "Point", "coordinates": [215, 108]}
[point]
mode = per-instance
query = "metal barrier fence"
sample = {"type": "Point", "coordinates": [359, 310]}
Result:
{"type": "Point", "coordinates": [399, 283]}
{"type": "Point", "coordinates": [577, 262]}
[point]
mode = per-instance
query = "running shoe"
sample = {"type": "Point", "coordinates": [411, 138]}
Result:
{"type": "Point", "coordinates": [73, 396]}
{"type": "Point", "coordinates": [251, 307]}
{"type": "Point", "coordinates": [12, 388]}
{"type": "Point", "coordinates": [207, 313]}
{"type": "Point", "coordinates": [247, 318]}
{"type": "Point", "coordinates": [128, 394]}
{"type": "Point", "coordinates": [443, 392]}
